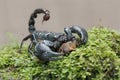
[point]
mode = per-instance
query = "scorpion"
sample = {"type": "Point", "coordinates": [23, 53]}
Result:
{"type": "Point", "coordinates": [48, 44]}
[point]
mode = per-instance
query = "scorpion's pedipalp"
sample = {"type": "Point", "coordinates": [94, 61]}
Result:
{"type": "Point", "coordinates": [43, 52]}
{"type": "Point", "coordinates": [54, 54]}
{"type": "Point", "coordinates": [82, 33]}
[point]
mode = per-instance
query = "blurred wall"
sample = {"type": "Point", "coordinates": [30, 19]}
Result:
{"type": "Point", "coordinates": [14, 15]}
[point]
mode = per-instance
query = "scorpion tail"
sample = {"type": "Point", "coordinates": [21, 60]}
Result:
{"type": "Point", "coordinates": [82, 33]}
{"type": "Point", "coordinates": [34, 15]}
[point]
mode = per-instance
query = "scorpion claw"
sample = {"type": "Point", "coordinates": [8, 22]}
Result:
{"type": "Point", "coordinates": [43, 52]}
{"type": "Point", "coordinates": [82, 33]}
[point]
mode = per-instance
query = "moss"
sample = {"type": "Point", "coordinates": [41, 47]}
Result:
{"type": "Point", "coordinates": [99, 59]}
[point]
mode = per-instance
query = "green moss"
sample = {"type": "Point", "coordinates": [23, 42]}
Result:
{"type": "Point", "coordinates": [99, 59]}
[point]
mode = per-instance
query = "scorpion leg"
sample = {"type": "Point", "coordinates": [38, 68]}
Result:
{"type": "Point", "coordinates": [24, 39]}
{"type": "Point", "coordinates": [30, 48]}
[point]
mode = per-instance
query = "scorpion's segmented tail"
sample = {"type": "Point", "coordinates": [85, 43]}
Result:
{"type": "Point", "coordinates": [34, 15]}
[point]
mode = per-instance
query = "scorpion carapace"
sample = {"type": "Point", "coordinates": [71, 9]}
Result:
{"type": "Point", "coordinates": [47, 44]}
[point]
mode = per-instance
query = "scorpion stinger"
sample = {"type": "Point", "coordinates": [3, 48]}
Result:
{"type": "Point", "coordinates": [46, 16]}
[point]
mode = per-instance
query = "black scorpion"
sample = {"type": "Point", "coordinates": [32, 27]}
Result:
{"type": "Point", "coordinates": [46, 43]}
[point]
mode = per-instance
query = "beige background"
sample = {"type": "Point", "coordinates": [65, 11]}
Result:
{"type": "Point", "coordinates": [14, 15]}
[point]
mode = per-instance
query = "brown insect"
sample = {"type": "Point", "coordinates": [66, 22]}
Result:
{"type": "Point", "coordinates": [67, 47]}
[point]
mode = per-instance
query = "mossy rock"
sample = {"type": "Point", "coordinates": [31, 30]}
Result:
{"type": "Point", "coordinates": [99, 59]}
